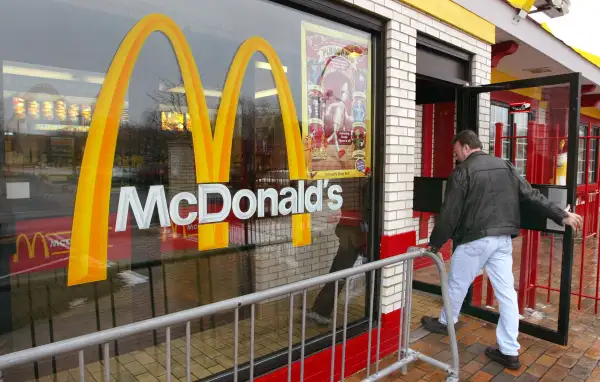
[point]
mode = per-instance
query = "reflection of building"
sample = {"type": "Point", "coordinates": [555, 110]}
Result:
{"type": "Point", "coordinates": [48, 111]}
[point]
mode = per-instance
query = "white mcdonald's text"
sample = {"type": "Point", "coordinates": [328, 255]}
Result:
{"type": "Point", "coordinates": [293, 201]}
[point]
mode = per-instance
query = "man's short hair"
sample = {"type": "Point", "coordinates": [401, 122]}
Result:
{"type": "Point", "coordinates": [467, 137]}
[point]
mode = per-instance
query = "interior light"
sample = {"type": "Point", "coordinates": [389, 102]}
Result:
{"type": "Point", "coordinates": [181, 90]}
{"type": "Point", "coordinates": [265, 93]}
{"type": "Point", "coordinates": [93, 79]}
{"type": "Point", "coordinates": [51, 74]}
{"type": "Point", "coordinates": [267, 66]}
{"type": "Point", "coordinates": [41, 73]}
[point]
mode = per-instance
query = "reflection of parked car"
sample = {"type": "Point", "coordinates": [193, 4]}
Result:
{"type": "Point", "coordinates": [124, 172]}
{"type": "Point", "coordinates": [274, 178]}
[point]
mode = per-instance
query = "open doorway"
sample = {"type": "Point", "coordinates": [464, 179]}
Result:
{"type": "Point", "coordinates": [436, 116]}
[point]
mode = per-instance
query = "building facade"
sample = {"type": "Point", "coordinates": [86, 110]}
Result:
{"type": "Point", "coordinates": [159, 156]}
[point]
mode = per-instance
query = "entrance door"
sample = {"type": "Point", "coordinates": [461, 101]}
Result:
{"type": "Point", "coordinates": [534, 124]}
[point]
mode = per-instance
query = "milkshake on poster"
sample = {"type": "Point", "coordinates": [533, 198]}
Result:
{"type": "Point", "coordinates": [336, 113]}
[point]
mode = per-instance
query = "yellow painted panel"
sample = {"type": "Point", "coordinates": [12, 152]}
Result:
{"type": "Point", "coordinates": [589, 56]}
{"type": "Point", "coordinates": [533, 93]}
{"type": "Point", "coordinates": [591, 112]}
{"type": "Point", "coordinates": [455, 15]}
{"type": "Point", "coordinates": [522, 4]}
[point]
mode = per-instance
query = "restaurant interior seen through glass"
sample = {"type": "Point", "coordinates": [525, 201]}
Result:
{"type": "Point", "coordinates": [93, 158]}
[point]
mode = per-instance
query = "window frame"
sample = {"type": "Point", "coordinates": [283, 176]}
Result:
{"type": "Point", "coordinates": [511, 133]}
{"type": "Point", "coordinates": [593, 174]}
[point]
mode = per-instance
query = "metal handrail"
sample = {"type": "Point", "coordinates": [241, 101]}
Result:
{"type": "Point", "coordinates": [104, 337]}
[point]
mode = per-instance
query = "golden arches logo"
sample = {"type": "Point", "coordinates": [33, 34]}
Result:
{"type": "Point", "coordinates": [31, 245]}
{"type": "Point", "coordinates": [88, 257]}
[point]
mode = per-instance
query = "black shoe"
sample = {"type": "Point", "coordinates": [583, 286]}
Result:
{"type": "Point", "coordinates": [434, 325]}
{"type": "Point", "coordinates": [508, 361]}
{"type": "Point", "coordinates": [318, 319]}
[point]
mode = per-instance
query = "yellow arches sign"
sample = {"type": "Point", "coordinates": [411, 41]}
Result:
{"type": "Point", "coordinates": [31, 245]}
{"type": "Point", "coordinates": [89, 240]}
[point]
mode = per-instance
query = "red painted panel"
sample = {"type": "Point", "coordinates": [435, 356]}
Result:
{"type": "Point", "coordinates": [317, 367]}
{"type": "Point", "coordinates": [397, 244]}
{"type": "Point", "coordinates": [590, 100]}
{"type": "Point", "coordinates": [427, 141]}
{"type": "Point", "coordinates": [443, 162]}
{"type": "Point", "coordinates": [503, 49]}
{"type": "Point", "coordinates": [426, 162]}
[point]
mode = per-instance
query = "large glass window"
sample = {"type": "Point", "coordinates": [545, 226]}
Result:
{"type": "Point", "coordinates": [58, 92]}
{"type": "Point", "coordinates": [593, 174]}
{"type": "Point", "coordinates": [514, 134]}
{"type": "Point", "coordinates": [585, 155]}
{"type": "Point", "coordinates": [520, 125]}
{"type": "Point", "coordinates": [581, 155]}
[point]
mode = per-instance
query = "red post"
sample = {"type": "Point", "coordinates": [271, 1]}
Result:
{"type": "Point", "coordinates": [489, 298]}
{"type": "Point", "coordinates": [537, 132]}
{"type": "Point", "coordinates": [498, 142]}
{"type": "Point", "coordinates": [477, 295]}
{"type": "Point", "coordinates": [553, 158]}
{"type": "Point", "coordinates": [527, 246]}
{"type": "Point", "coordinates": [585, 213]}
{"type": "Point", "coordinates": [597, 172]}
{"type": "Point", "coordinates": [427, 158]}
{"type": "Point", "coordinates": [523, 275]}
{"type": "Point", "coordinates": [514, 145]}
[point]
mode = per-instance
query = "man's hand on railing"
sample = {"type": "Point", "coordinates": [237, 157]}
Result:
{"type": "Point", "coordinates": [432, 249]}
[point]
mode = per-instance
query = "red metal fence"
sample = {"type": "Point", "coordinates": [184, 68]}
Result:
{"type": "Point", "coordinates": [542, 158]}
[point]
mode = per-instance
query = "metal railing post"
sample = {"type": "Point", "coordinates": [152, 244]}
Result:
{"type": "Point", "coordinates": [408, 272]}
{"type": "Point", "coordinates": [448, 309]}
{"type": "Point", "coordinates": [406, 355]}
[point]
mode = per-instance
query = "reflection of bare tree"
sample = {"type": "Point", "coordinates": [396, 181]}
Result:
{"type": "Point", "coordinates": [174, 100]}
{"type": "Point", "coordinates": [259, 144]}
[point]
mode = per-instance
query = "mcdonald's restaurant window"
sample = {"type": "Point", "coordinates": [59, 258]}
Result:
{"type": "Point", "coordinates": [159, 156]}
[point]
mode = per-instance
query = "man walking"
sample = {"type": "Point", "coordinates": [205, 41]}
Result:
{"type": "Point", "coordinates": [481, 214]}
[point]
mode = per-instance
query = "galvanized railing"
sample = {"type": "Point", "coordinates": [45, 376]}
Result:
{"type": "Point", "coordinates": [405, 354]}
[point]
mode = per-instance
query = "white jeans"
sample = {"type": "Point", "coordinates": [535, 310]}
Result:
{"type": "Point", "coordinates": [495, 253]}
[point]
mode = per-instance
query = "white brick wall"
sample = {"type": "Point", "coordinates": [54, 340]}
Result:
{"type": "Point", "coordinates": [401, 120]}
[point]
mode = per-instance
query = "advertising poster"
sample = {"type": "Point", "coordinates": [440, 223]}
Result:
{"type": "Point", "coordinates": [336, 113]}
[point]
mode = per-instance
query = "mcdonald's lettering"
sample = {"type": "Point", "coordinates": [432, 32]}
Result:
{"type": "Point", "coordinates": [296, 201]}
{"type": "Point", "coordinates": [88, 257]}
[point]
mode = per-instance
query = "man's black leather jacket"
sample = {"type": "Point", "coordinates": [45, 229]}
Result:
{"type": "Point", "coordinates": [482, 198]}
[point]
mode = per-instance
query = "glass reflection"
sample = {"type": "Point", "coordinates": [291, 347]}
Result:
{"type": "Point", "coordinates": [51, 79]}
